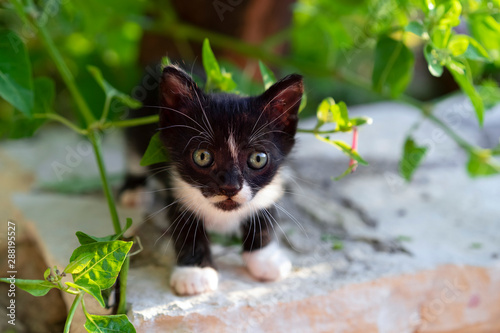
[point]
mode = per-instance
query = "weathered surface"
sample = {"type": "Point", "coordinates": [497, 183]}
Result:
{"type": "Point", "coordinates": [422, 257]}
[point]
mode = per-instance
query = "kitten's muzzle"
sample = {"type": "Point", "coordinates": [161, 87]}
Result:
{"type": "Point", "coordinates": [230, 190]}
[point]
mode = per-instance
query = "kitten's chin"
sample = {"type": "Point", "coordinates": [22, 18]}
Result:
{"type": "Point", "coordinates": [227, 205]}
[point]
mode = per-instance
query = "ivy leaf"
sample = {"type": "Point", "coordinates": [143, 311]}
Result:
{"type": "Point", "coordinates": [393, 67]}
{"type": "Point", "coordinates": [104, 267]}
{"type": "Point", "coordinates": [433, 62]}
{"type": "Point", "coordinates": [463, 78]}
{"type": "Point", "coordinates": [267, 75]}
{"type": "Point", "coordinates": [34, 287]}
{"type": "Point", "coordinates": [21, 126]}
{"type": "Point", "coordinates": [216, 78]}
{"type": "Point", "coordinates": [108, 324]}
{"type": "Point", "coordinates": [90, 287]}
{"type": "Point", "coordinates": [16, 85]}
{"type": "Point", "coordinates": [84, 238]}
{"type": "Point", "coordinates": [481, 163]}
{"type": "Point", "coordinates": [458, 45]}
{"type": "Point", "coordinates": [476, 51]}
{"type": "Point", "coordinates": [412, 158]}
{"type": "Point", "coordinates": [77, 265]}
{"type": "Point", "coordinates": [155, 153]}
{"type": "Point", "coordinates": [331, 112]}
{"type": "Point", "coordinates": [110, 91]}
{"type": "Point", "coordinates": [416, 28]}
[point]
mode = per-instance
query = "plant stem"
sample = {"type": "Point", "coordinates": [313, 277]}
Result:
{"type": "Point", "coordinates": [72, 311]}
{"type": "Point", "coordinates": [62, 120]}
{"type": "Point", "coordinates": [96, 144]}
{"type": "Point", "coordinates": [132, 122]}
{"type": "Point", "coordinates": [65, 73]}
{"type": "Point", "coordinates": [122, 306]}
{"type": "Point", "coordinates": [314, 131]}
{"type": "Point", "coordinates": [105, 110]}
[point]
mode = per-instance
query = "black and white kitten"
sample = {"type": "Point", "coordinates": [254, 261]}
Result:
{"type": "Point", "coordinates": [225, 152]}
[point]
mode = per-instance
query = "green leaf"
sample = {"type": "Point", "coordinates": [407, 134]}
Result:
{"type": "Point", "coordinates": [21, 126]}
{"type": "Point", "coordinates": [481, 163]}
{"type": "Point", "coordinates": [490, 93]}
{"type": "Point", "coordinates": [34, 287]}
{"type": "Point", "coordinates": [462, 77]}
{"type": "Point", "coordinates": [77, 265]}
{"type": "Point", "coordinates": [84, 239]}
{"type": "Point", "coordinates": [451, 10]}
{"type": "Point", "coordinates": [46, 273]}
{"type": "Point", "coordinates": [108, 324]}
{"type": "Point", "coordinates": [433, 61]}
{"type": "Point", "coordinates": [346, 149]}
{"type": "Point", "coordinates": [416, 28]}
{"type": "Point", "coordinates": [303, 102]}
{"type": "Point", "coordinates": [412, 157]}
{"type": "Point", "coordinates": [16, 85]}
{"type": "Point", "coordinates": [110, 91]}
{"type": "Point", "coordinates": [486, 30]}
{"type": "Point", "coordinates": [104, 267]}
{"type": "Point", "coordinates": [210, 64]}
{"type": "Point", "coordinates": [216, 78]}
{"type": "Point", "coordinates": [90, 287]}
{"type": "Point", "coordinates": [165, 61]}
{"type": "Point", "coordinates": [358, 121]}
{"type": "Point", "coordinates": [267, 75]}
{"type": "Point", "coordinates": [346, 172]}
{"type": "Point", "coordinates": [476, 51]}
{"type": "Point", "coordinates": [155, 153]}
{"type": "Point", "coordinates": [458, 44]}
{"type": "Point", "coordinates": [331, 112]}
{"type": "Point", "coordinates": [393, 67]}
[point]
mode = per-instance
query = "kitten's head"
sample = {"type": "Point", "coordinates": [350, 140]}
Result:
{"type": "Point", "coordinates": [226, 147]}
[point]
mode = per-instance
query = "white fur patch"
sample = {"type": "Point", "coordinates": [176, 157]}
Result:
{"type": "Point", "coordinates": [233, 149]}
{"type": "Point", "coordinates": [193, 280]}
{"type": "Point", "coordinates": [268, 263]}
{"type": "Point", "coordinates": [216, 219]}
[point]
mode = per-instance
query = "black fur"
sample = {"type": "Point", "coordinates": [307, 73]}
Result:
{"type": "Point", "coordinates": [191, 120]}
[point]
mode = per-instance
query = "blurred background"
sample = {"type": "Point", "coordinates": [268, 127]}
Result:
{"type": "Point", "coordinates": [333, 44]}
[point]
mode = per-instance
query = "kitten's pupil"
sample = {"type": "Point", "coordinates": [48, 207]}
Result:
{"type": "Point", "coordinates": [202, 157]}
{"type": "Point", "coordinates": [257, 160]}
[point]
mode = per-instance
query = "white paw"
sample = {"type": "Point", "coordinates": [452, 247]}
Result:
{"type": "Point", "coordinates": [268, 263]}
{"type": "Point", "coordinates": [135, 198]}
{"type": "Point", "coordinates": [193, 280]}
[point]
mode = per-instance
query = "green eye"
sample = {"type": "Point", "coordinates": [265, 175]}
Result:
{"type": "Point", "coordinates": [202, 157]}
{"type": "Point", "coordinates": [257, 160]}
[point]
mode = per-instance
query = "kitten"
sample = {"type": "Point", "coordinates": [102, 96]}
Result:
{"type": "Point", "coordinates": [225, 157]}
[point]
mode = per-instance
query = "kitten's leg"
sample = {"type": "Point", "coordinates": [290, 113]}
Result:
{"type": "Point", "coordinates": [132, 193]}
{"type": "Point", "coordinates": [262, 256]}
{"type": "Point", "coordinates": [195, 272]}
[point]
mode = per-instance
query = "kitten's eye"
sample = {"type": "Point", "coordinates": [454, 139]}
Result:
{"type": "Point", "coordinates": [202, 157]}
{"type": "Point", "coordinates": [257, 160]}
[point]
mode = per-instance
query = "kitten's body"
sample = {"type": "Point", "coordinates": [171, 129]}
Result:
{"type": "Point", "coordinates": [226, 152]}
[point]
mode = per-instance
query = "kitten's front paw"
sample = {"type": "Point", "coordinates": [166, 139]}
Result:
{"type": "Point", "coordinates": [268, 263]}
{"type": "Point", "coordinates": [193, 280]}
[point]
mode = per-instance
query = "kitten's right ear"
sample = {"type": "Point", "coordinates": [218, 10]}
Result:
{"type": "Point", "coordinates": [177, 89]}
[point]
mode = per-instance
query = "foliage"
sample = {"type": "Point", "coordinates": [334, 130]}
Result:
{"type": "Point", "coordinates": [94, 267]}
{"type": "Point", "coordinates": [328, 112]}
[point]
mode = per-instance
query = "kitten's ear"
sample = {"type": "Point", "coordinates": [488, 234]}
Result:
{"type": "Point", "coordinates": [177, 89]}
{"type": "Point", "coordinates": [281, 102]}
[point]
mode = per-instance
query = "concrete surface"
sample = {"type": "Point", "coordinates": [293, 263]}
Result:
{"type": "Point", "coordinates": [419, 257]}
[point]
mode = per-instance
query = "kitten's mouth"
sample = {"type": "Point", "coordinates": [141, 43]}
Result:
{"type": "Point", "coordinates": [227, 204]}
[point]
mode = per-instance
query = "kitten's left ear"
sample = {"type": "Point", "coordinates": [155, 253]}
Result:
{"type": "Point", "coordinates": [281, 102]}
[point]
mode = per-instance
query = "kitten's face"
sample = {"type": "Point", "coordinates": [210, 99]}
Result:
{"type": "Point", "coordinates": [226, 147]}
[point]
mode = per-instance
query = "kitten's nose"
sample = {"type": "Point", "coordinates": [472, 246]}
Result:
{"type": "Point", "coordinates": [230, 190]}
